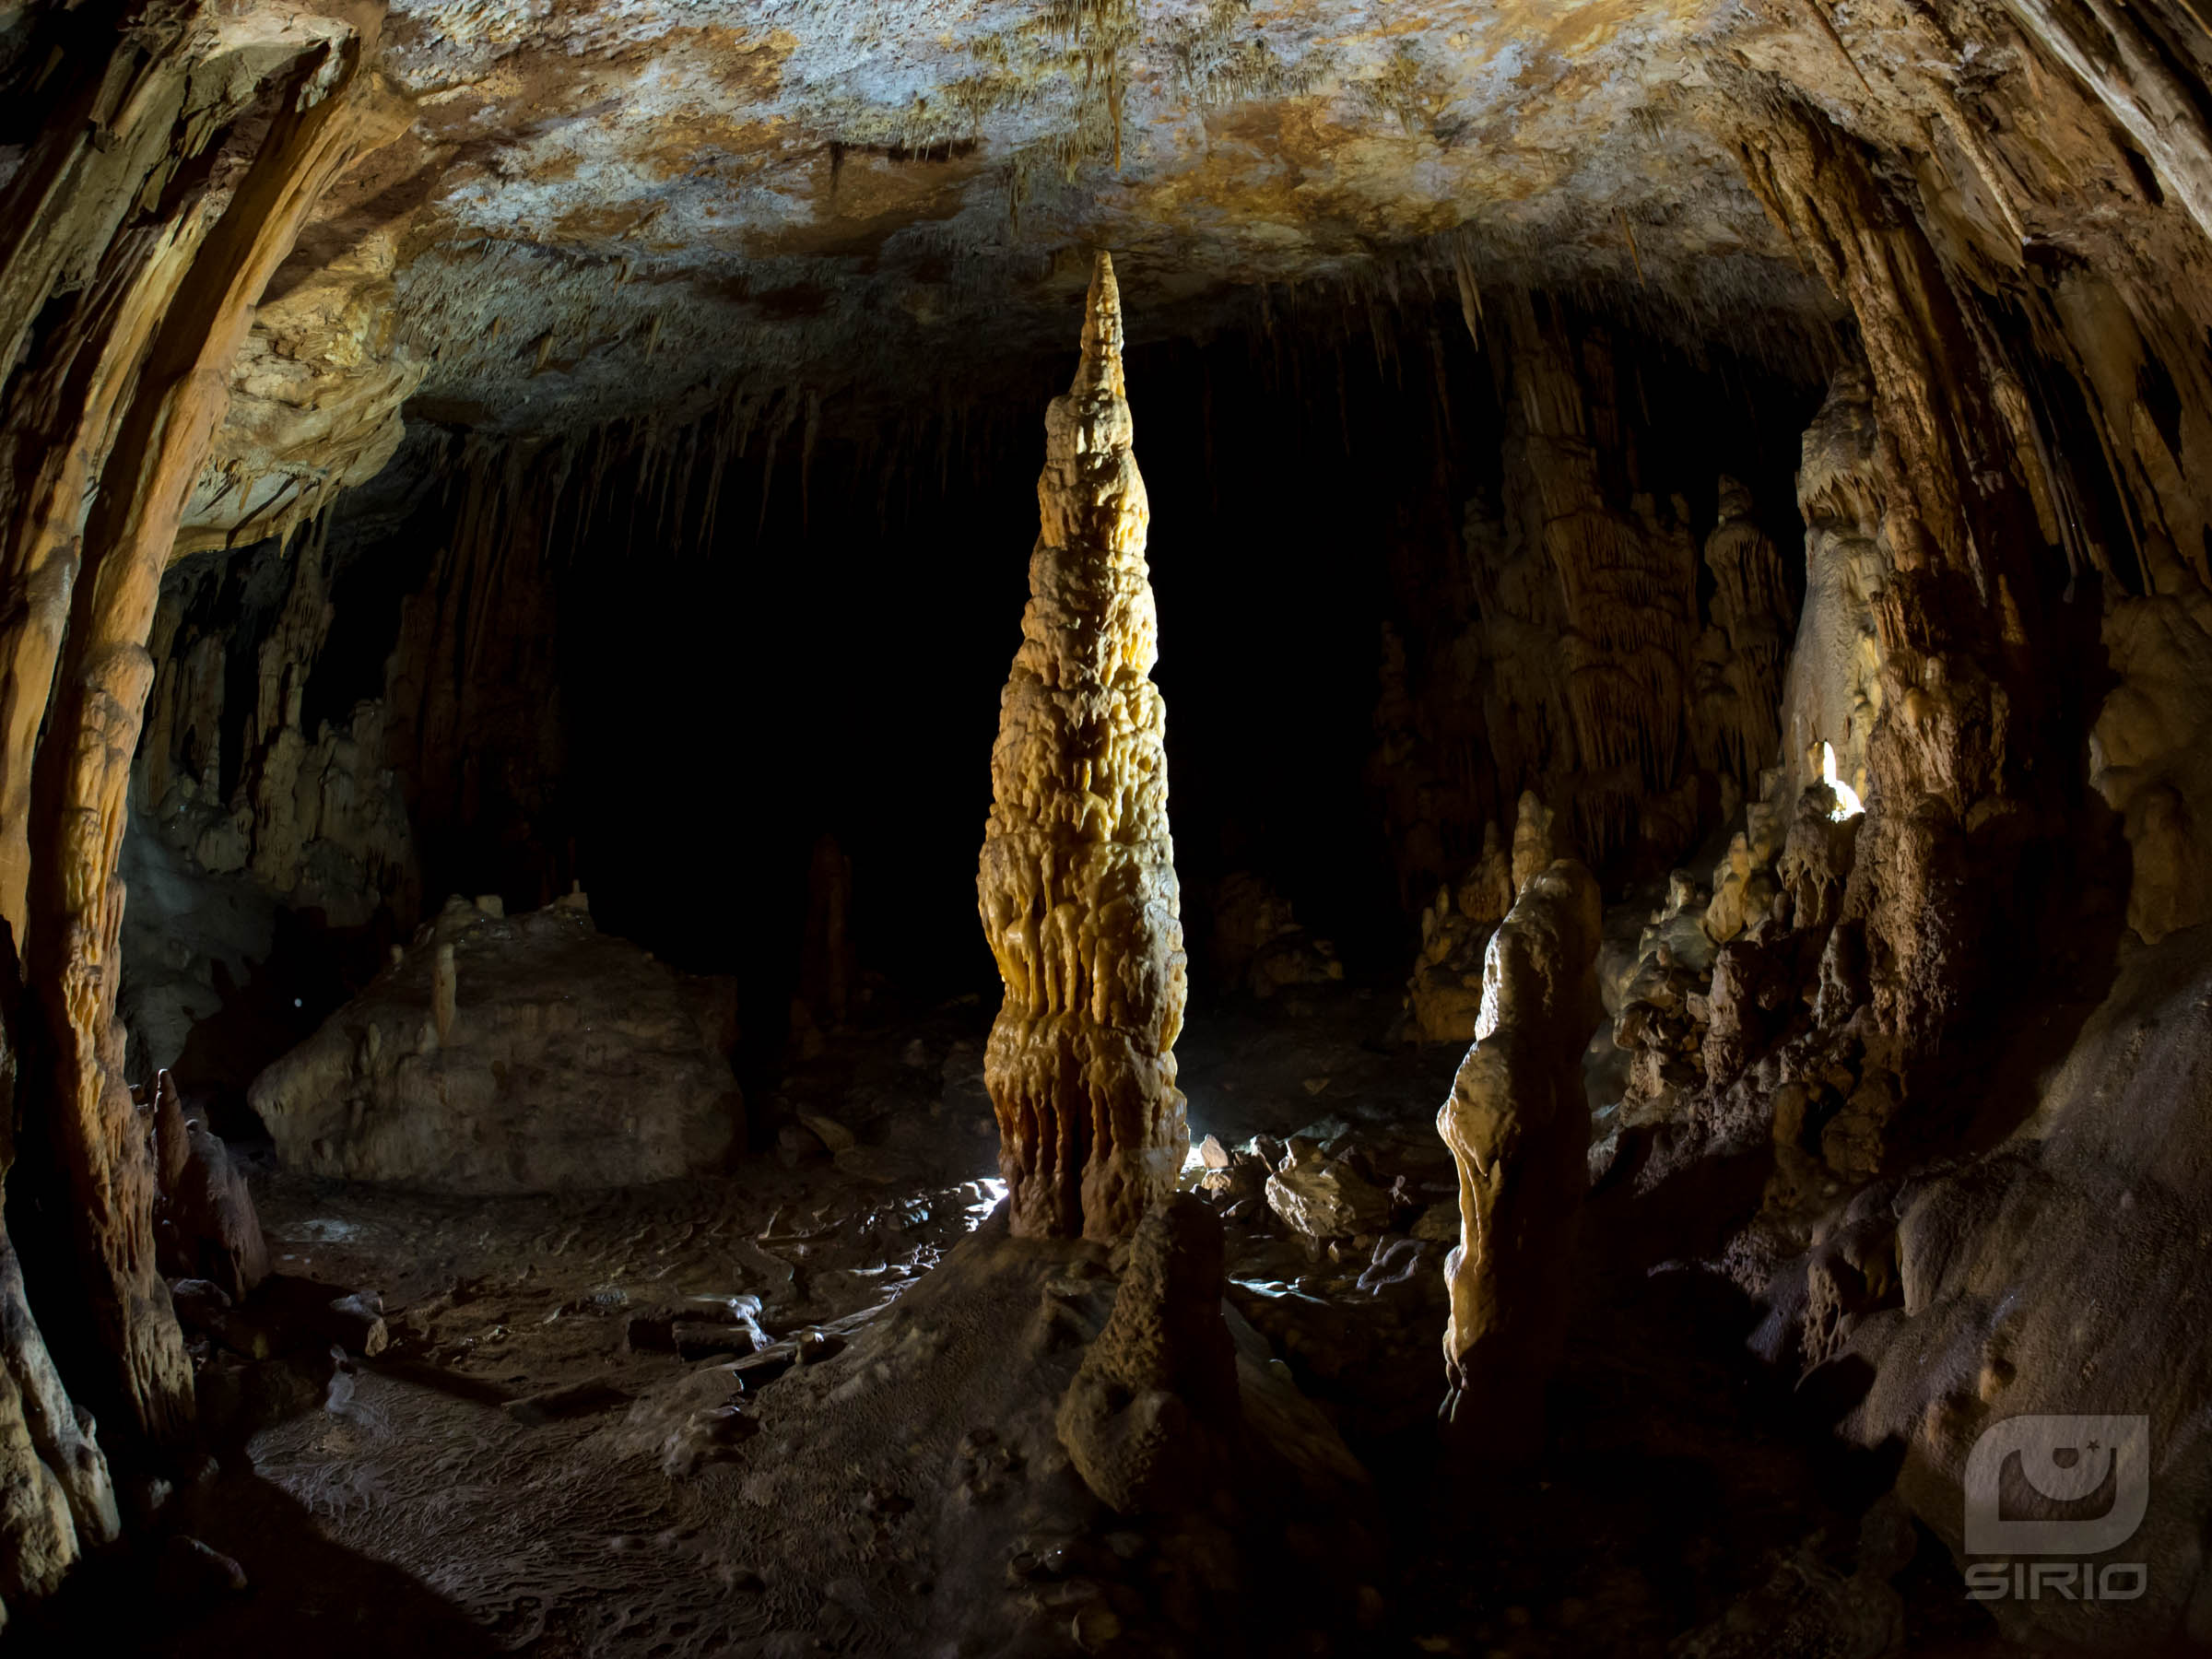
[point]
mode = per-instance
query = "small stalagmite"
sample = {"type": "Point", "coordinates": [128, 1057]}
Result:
{"type": "Point", "coordinates": [1518, 1125]}
{"type": "Point", "coordinates": [1078, 878]}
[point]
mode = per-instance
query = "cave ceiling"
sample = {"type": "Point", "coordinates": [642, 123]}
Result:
{"type": "Point", "coordinates": [600, 208]}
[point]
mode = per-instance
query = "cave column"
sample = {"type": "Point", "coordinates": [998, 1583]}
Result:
{"type": "Point", "coordinates": [1076, 884]}
{"type": "Point", "coordinates": [1958, 602]}
{"type": "Point", "coordinates": [104, 427]}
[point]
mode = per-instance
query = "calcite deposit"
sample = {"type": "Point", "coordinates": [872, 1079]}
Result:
{"type": "Point", "coordinates": [1077, 882]}
{"type": "Point", "coordinates": [522, 1054]}
{"type": "Point", "coordinates": [1518, 1126]}
{"type": "Point", "coordinates": [1152, 1414]}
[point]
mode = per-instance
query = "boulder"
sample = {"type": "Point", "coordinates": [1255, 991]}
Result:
{"type": "Point", "coordinates": [1325, 1197]}
{"type": "Point", "coordinates": [512, 1055]}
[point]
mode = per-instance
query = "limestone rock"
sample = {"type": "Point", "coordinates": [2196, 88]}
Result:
{"type": "Point", "coordinates": [1146, 1419]}
{"type": "Point", "coordinates": [314, 816]}
{"type": "Point", "coordinates": [2042, 1276]}
{"type": "Point", "coordinates": [1323, 1197]}
{"type": "Point", "coordinates": [1518, 1126]}
{"type": "Point", "coordinates": [2150, 757]}
{"type": "Point", "coordinates": [58, 1500]}
{"type": "Point", "coordinates": [572, 1060]}
{"type": "Point", "coordinates": [146, 230]}
{"type": "Point", "coordinates": [1078, 879]}
{"type": "Point", "coordinates": [204, 1224]}
{"type": "Point", "coordinates": [1832, 686]}
{"type": "Point", "coordinates": [1744, 886]}
{"type": "Point", "coordinates": [1444, 994]}
{"type": "Point", "coordinates": [315, 395]}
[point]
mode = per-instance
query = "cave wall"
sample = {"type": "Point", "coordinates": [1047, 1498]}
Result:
{"type": "Point", "coordinates": [165, 174]}
{"type": "Point", "coordinates": [1589, 634]}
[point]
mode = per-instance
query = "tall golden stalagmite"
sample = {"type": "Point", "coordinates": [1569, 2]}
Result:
{"type": "Point", "coordinates": [1078, 879]}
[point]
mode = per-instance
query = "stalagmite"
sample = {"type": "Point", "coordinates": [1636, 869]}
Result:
{"type": "Point", "coordinates": [1519, 1128]}
{"type": "Point", "coordinates": [1443, 997]}
{"type": "Point", "coordinates": [445, 992]}
{"type": "Point", "coordinates": [1147, 1416]}
{"type": "Point", "coordinates": [1077, 880]}
{"type": "Point", "coordinates": [205, 1223]}
{"type": "Point", "coordinates": [1832, 687]}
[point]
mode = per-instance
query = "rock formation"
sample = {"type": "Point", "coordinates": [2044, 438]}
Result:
{"type": "Point", "coordinates": [204, 1224]}
{"type": "Point", "coordinates": [2148, 755]}
{"type": "Point", "coordinates": [347, 372]}
{"type": "Point", "coordinates": [1149, 1419]}
{"type": "Point", "coordinates": [315, 395]}
{"type": "Point", "coordinates": [1444, 995]}
{"type": "Point", "coordinates": [473, 723]}
{"type": "Point", "coordinates": [1628, 584]}
{"type": "Point", "coordinates": [1518, 1126]}
{"type": "Point", "coordinates": [314, 816]}
{"type": "Point", "coordinates": [522, 1054]}
{"type": "Point", "coordinates": [1077, 880]}
{"type": "Point", "coordinates": [1737, 689]}
{"type": "Point", "coordinates": [172, 162]}
{"type": "Point", "coordinates": [1832, 687]}
{"type": "Point", "coordinates": [57, 1494]}
{"type": "Point", "coordinates": [2029, 1271]}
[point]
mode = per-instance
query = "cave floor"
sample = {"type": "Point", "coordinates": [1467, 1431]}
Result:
{"type": "Point", "coordinates": [498, 1479]}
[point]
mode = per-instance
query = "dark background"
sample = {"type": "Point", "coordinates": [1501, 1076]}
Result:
{"type": "Point", "coordinates": [834, 662]}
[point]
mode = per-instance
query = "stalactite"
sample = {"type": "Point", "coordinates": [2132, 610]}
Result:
{"type": "Point", "coordinates": [1078, 878]}
{"type": "Point", "coordinates": [1629, 587]}
{"type": "Point", "coordinates": [475, 725]}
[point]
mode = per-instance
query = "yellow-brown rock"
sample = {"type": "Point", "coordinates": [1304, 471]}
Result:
{"type": "Point", "coordinates": [1077, 880]}
{"type": "Point", "coordinates": [315, 400]}
{"type": "Point", "coordinates": [2150, 757]}
{"type": "Point", "coordinates": [1444, 995]}
{"type": "Point", "coordinates": [1518, 1125]}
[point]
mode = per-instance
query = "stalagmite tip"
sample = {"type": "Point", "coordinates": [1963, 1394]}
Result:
{"type": "Point", "coordinates": [1102, 328]}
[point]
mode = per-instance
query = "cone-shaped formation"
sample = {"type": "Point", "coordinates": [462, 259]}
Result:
{"type": "Point", "coordinates": [1078, 879]}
